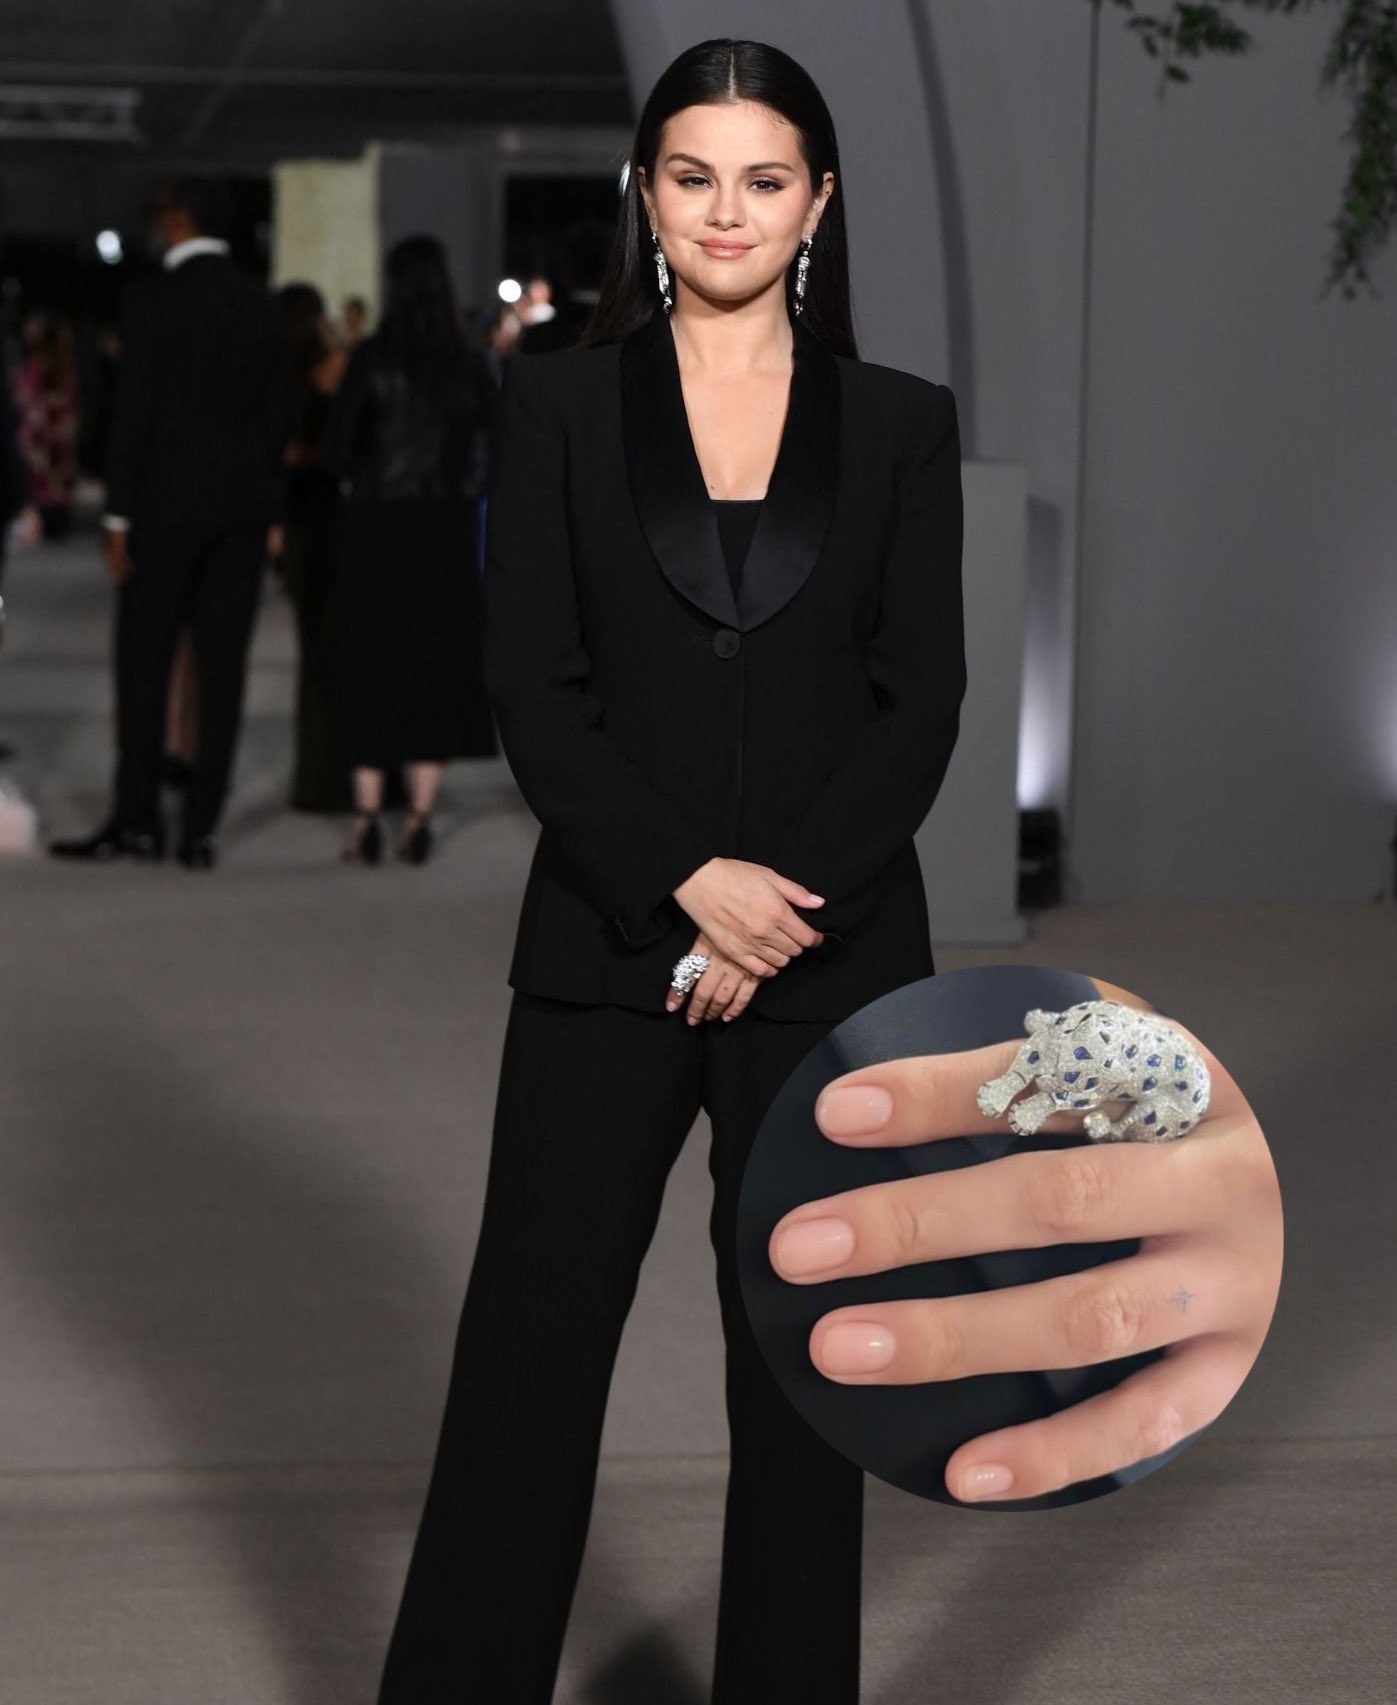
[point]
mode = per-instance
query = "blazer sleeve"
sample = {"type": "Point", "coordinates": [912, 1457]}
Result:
{"type": "Point", "coordinates": [133, 415]}
{"type": "Point", "coordinates": [625, 844]}
{"type": "Point", "coordinates": [883, 784]}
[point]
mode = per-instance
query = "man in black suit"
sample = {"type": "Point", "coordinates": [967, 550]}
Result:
{"type": "Point", "coordinates": [193, 491]}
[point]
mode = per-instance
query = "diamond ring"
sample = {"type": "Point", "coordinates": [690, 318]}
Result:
{"type": "Point", "coordinates": [687, 971]}
{"type": "Point", "coordinates": [1099, 1051]}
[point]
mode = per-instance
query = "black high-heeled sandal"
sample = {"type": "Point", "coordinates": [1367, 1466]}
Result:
{"type": "Point", "coordinates": [367, 844]}
{"type": "Point", "coordinates": [417, 842]}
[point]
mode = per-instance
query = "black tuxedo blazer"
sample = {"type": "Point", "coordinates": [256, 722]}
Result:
{"type": "Point", "coordinates": [653, 722]}
{"type": "Point", "coordinates": [201, 401]}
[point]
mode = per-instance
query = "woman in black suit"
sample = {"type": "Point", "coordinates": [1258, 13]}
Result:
{"type": "Point", "coordinates": [724, 648]}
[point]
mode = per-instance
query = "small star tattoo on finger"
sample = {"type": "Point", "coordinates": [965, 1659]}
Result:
{"type": "Point", "coordinates": [1182, 1298]}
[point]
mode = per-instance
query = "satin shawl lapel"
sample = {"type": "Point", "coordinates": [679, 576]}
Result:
{"type": "Point", "coordinates": [672, 500]}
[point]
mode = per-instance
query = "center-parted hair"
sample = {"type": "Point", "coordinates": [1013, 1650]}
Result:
{"type": "Point", "coordinates": [715, 73]}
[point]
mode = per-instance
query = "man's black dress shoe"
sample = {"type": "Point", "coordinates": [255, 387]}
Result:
{"type": "Point", "coordinates": [144, 845]}
{"type": "Point", "coordinates": [198, 852]}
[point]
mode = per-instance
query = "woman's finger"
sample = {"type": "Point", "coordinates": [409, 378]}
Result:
{"type": "Point", "coordinates": [742, 999]}
{"type": "Point", "coordinates": [758, 960]}
{"type": "Point", "coordinates": [701, 994]}
{"type": "Point", "coordinates": [1030, 1200]}
{"type": "Point", "coordinates": [722, 1001]}
{"type": "Point", "coordinates": [675, 998]}
{"type": "Point", "coordinates": [795, 935]}
{"type": "Point", "coordinates": [721, 980]}
{"type": "Point", "coordinates": [716, 986]}
{"type": "Point", "coordinates": [926, 1096]}
{"type": "Point", "coordinates": [1119, 1309]}
{"type": "Point", "coordinates": [1187, 1388]}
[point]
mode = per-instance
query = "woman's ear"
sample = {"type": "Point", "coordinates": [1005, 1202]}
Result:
{"type": "Point", "coordinates": [822, 200]}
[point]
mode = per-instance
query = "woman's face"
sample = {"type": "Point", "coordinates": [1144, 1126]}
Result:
{"type": "Point", "coordinates": [731, 200]}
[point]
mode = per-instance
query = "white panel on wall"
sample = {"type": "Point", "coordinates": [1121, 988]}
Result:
{"type": "Point", "coordinates": [325, 227]}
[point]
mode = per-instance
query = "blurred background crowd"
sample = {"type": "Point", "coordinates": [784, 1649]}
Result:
{"type": "Point", "coordinates": [372, 525]}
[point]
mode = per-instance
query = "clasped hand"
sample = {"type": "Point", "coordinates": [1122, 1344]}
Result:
{"type": "Point", "coordinates": [748, 928]}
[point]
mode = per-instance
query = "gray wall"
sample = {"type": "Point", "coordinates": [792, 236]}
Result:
{"type": "Point", "coordinates": [452, 191]}
{"type": "Point", "coordinates": [1013, 85]}
{"type": "Point", "coordinates": [1237, 724]}
{"type": "Point", "coordinates": [1210, 449]}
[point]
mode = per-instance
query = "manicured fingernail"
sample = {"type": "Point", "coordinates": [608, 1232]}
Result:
{"type": "Point", "coordinates": [854, 1111]}
{"type": "Point", "coordinates": [983, 1481]}
{"type": "Point", "coordinates": [857, 1346]}
{"type": "Point", "coordinates": [810, 1246]}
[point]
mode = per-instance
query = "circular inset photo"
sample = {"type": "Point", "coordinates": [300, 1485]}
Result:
{"type": "Point", "coordinates": [1010, 1238]}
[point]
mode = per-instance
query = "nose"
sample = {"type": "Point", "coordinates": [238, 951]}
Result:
{"type": "Point", "coordinates": [726, 210]}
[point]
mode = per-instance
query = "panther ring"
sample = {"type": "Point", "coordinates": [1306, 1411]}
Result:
{"type": "Point", "coordinates": [1099, 1051]}
{"type": "Point", "coordinates": [687, 972]}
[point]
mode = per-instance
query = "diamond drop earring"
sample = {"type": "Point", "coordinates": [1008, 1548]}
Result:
{"type": "Point", "coordinates": [802, 267]}
{"type": "Point", "coordinates": [662, 270]}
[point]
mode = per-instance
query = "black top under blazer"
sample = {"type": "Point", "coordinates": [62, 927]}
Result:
{"type": "Point", "coordinates": [653, 719]}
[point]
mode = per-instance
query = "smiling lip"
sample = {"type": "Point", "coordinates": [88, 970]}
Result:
{"type": "Point", "coordinates": [726, 248]}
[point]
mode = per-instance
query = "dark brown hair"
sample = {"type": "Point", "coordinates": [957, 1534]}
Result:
{"type": "Point", "coordinates": [714, 73]}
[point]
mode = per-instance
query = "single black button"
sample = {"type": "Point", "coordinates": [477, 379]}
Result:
{"type": "Point", "coordinates": [727, 642]}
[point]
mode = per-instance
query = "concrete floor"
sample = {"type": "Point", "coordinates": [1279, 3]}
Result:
{"type": "Point", "coordinates": [245, 1122]}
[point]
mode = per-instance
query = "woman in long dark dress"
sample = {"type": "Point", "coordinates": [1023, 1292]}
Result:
{"type": "Point", "coordinates": [724, 645]}
{"type": "Point", "coordinates": [405, 436]}
{"type": "Point", "coordinates": [319, 774]}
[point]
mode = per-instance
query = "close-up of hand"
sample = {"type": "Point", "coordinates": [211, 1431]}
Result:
{"type": "Point", "coordinates": [746, 911]}
{"type": "Point", "coordinates": [1202, 1287]}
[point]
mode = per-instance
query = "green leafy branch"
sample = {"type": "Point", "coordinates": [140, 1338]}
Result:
{"type": "Point", "coordinates": [1362, 59]}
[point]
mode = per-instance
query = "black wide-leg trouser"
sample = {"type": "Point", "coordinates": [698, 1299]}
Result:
{"type": "Point", "coordinates": [594, 1105]}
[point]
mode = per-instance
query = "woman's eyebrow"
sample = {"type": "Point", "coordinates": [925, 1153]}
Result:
{"type": "Point", "coordinates": [761, 165]}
